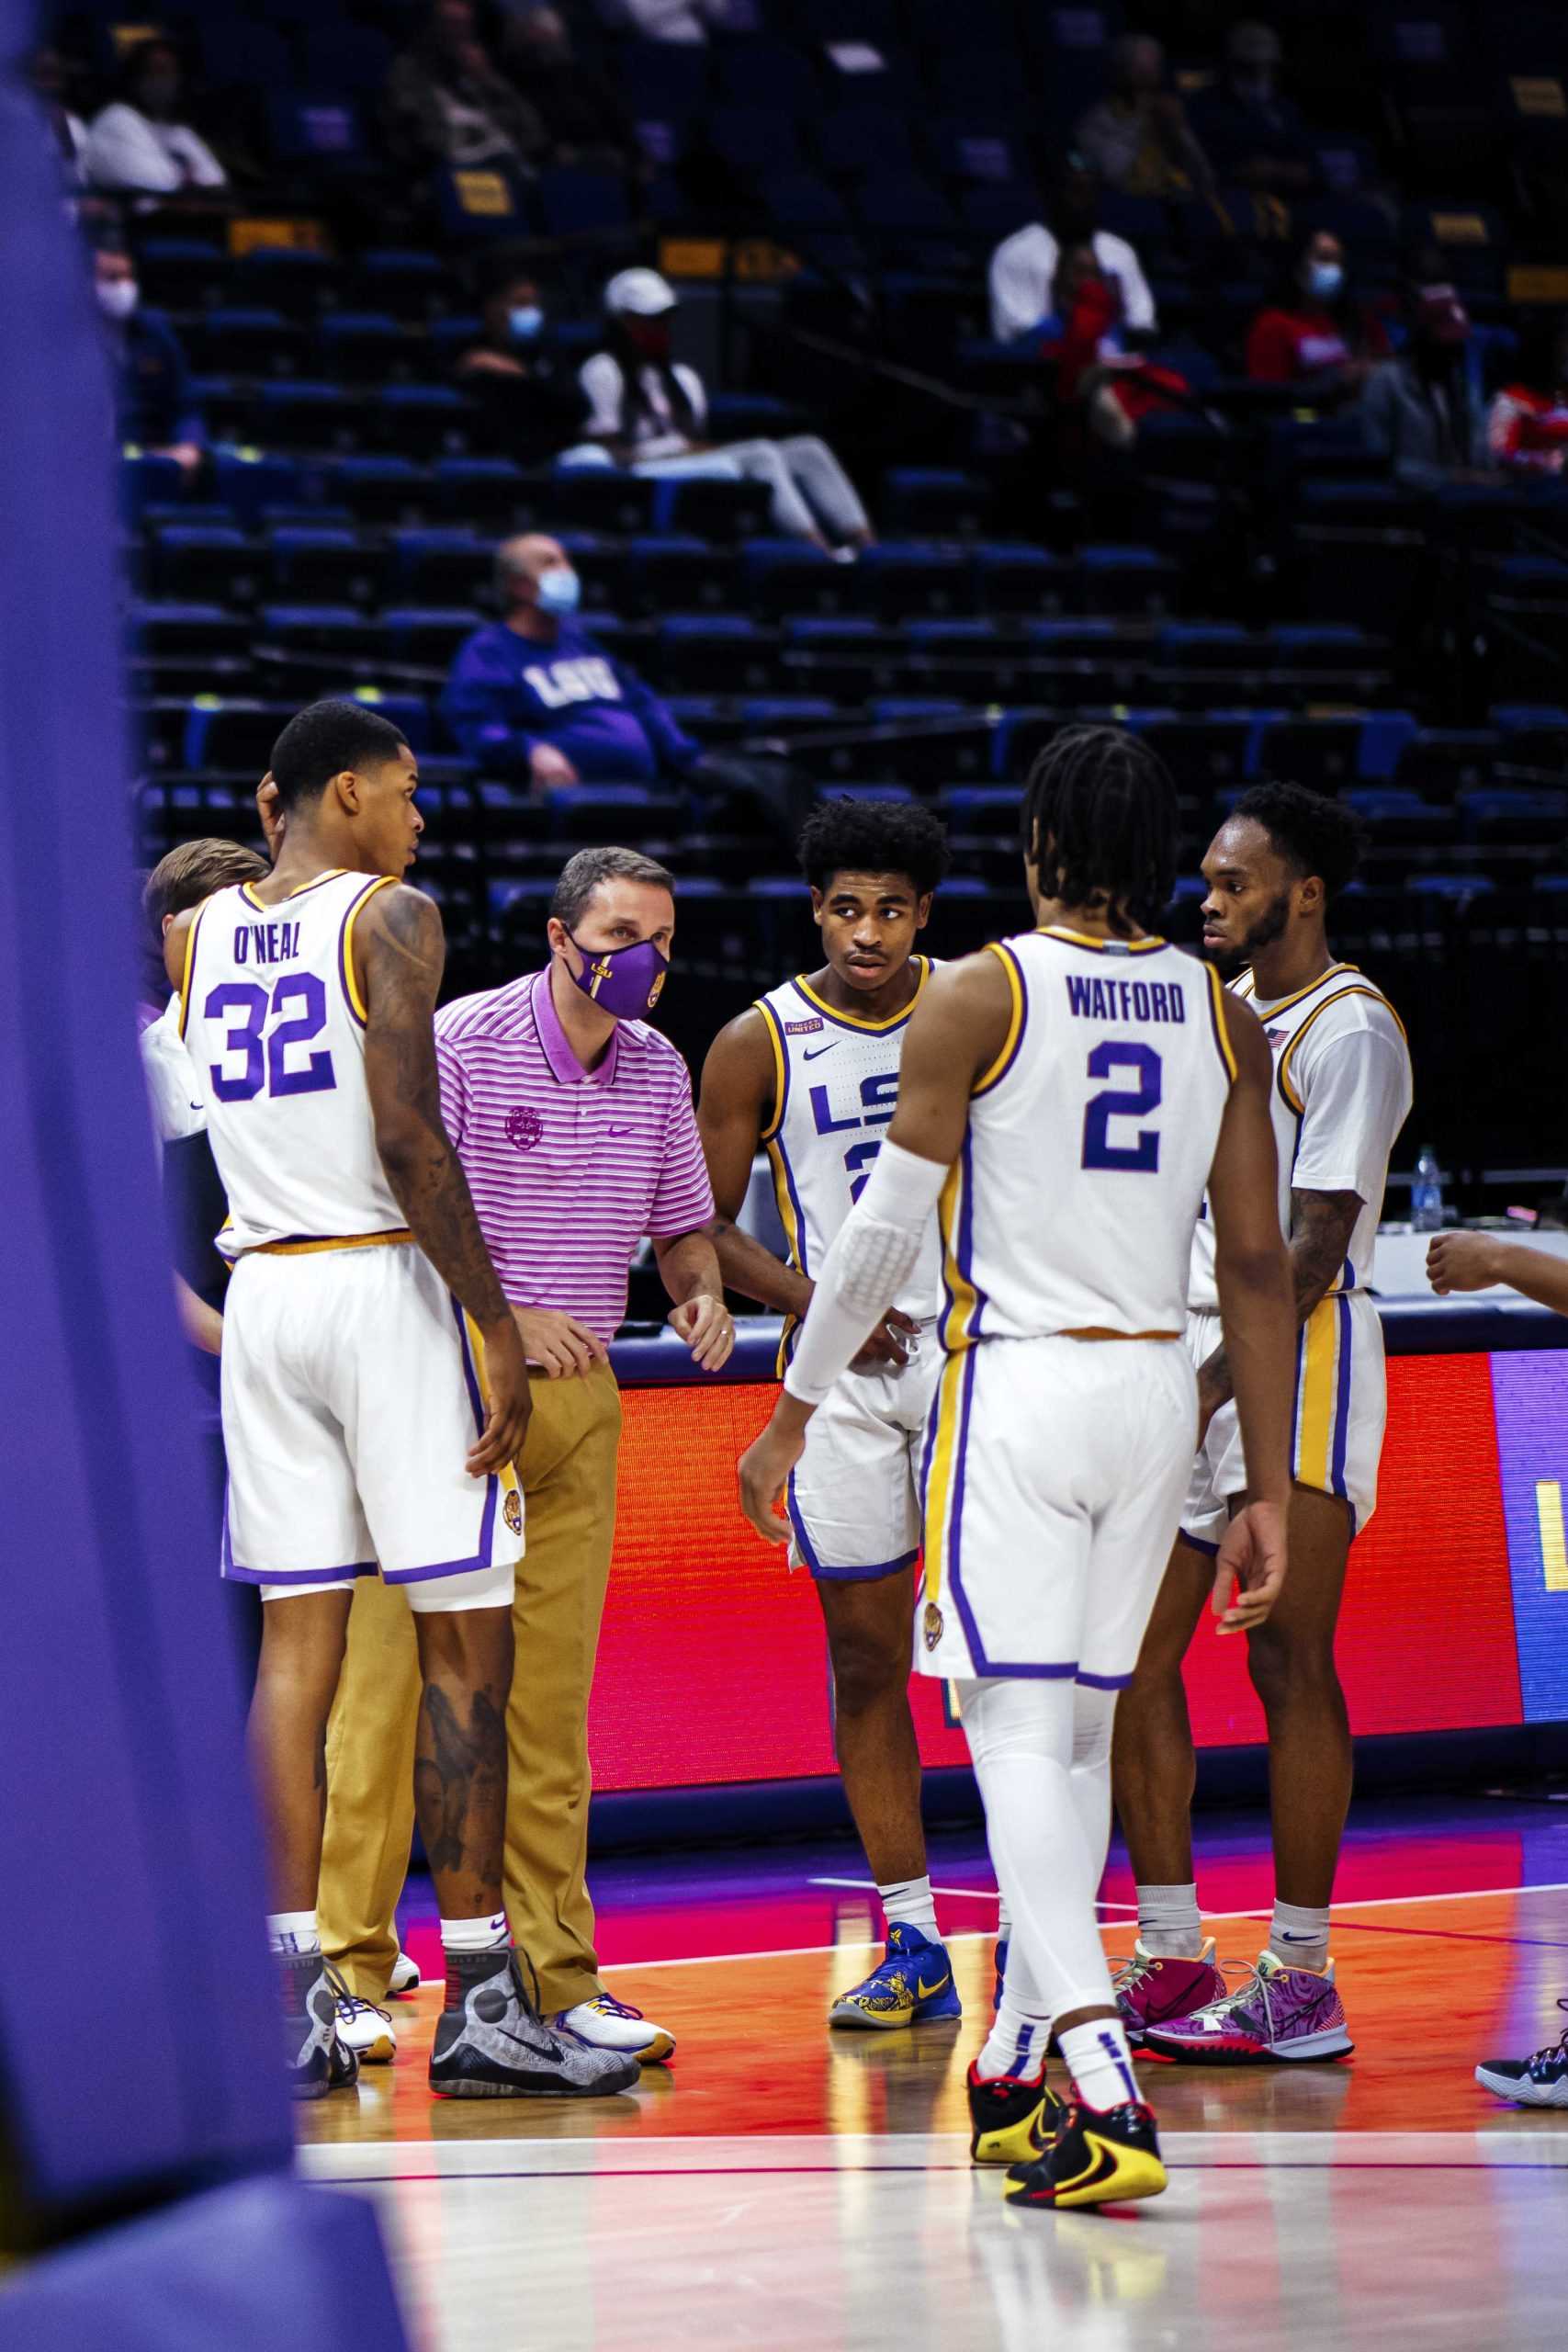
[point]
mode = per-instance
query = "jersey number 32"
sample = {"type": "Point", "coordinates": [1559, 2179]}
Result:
{"type": "Point", "coordinates": [264, 1052]}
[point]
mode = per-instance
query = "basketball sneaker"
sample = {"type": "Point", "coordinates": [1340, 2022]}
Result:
{"type": "Point", "coordinates": [404, 1977]}
{"type": "Point", "coordinates": [1541, 2081]}
{"type": "Point", "coordinates": [317, 2060]}
{"type": "Point", "coordinates": [911, 1986]}
{"type": "Point", "coordinates": [1156, 1989]}
{"type": "Point", "coordinates": [1099, 2156]}
{"type": "Point", "coordinates": [1280, 2012]}
{"type": "Point", "coordinates": [492, 2043]}
{"type": "Point", "coordinates": [1011, 2120]}
{"type": "Point", "coordinates": [608, 2024]}
{"type": "Point", "coordinates": [365, 2029]}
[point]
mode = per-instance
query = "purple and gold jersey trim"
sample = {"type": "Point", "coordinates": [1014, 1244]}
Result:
{"type": "Point", "coordinates": [1018, 1019]}
{"type": "Point", "coordinates": [356, 1003]}
{"type": "Point", "coordinates": [1217, 1015]}
{"type": "Point", "coordinates": [307, 1245]}
{"type": "Point", "coordinates": [1100, 946]}
{"type": "Point", "coordinates": [188, 975]}
{"type": "Point", "coordinates": [264, 905]}
{"type": "Point", "coordinates": [1361, 988]}
{"type": "Point", "coordinates": [853, 1021]}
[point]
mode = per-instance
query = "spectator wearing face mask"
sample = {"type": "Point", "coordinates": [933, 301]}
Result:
{"type": "Point", "coordinates": [1254, 136]}
{"type": "Point", "coordinates": [447, 104]}
{"type": "Point", "coordinates": [585, 120]}
{"type": "Point", "coordinates": [1313, 334]}
{"type": "Point", "coordinates": [1526, 425]}
{"type": "Point", "coordinates": [537, 693]}
{"type": "Point", "coordinates": [1420, 411]}
{"type": "Point", "coordinates": [1138, 139]}
{"type": "Point", "coordinates": [649, 412]}
{"type": "Point", "coordinates": [139, 142]}
{"type": "Point", "coordinates": [1024, 267]}
{"type": "Point", "coordinates": [155, 405]}
{"type": "Point", "coordinates": [531, 401]}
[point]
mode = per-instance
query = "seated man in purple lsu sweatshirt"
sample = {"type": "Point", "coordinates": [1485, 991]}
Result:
{"type": "Point", "coordinates": [534, 690]}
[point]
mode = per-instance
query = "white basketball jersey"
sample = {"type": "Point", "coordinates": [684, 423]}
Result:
{"type": "Point", "coordinates": [835, 1090]}
{"type": "Point", "coordinates": [1072, 1203]}
{"type": "Point", "coordinates": [272, 1019]}
{"type": "Point", "coordinates": [1365, 1109]}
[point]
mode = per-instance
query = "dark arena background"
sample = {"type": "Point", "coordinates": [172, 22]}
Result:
{"type": "Point", "coordinates": [902, 383]}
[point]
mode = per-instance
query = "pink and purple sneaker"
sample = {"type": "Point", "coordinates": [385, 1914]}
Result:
{"type": "Point", "coordinates": [1279, 2013]}
{"type": "Point", "coordinates": [1157, 1989]}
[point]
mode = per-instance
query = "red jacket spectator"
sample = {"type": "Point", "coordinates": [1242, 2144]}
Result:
{"type": "Point", "coordinates": [1312, 335]}
{"type": "Point", "coordinates": [1528, 429]}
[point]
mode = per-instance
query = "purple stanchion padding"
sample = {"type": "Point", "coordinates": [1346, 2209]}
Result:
{"type": "Point", "coordinates": [249, 2268]}
{"type": "Point", "coordinates": [139, 2029]}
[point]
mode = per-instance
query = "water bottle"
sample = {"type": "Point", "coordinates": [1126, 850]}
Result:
{"type": "Point", "coordinates": [1427, 1193]}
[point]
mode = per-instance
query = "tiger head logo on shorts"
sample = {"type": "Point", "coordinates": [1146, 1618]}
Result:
{"type": "Point", "coordinates": [512, 1511]}
{"type": "Point", "coordinates": [933, 1625]}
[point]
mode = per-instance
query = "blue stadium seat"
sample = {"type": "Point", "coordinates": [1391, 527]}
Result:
{"type": "Point", "coordinates": [204, 561]}
{"type": "Point", "coordinates": [786, 576]}
{"type": "Point", "coordinates": [911, 576]}
{"type": "Point", "coordinates": [244, 343]}
{"type": "Point", "coordinates": [593, 498]}
{"type": "Point", "coordinates": [1395, 818]}
{"type": "Point", "coordinates": [251, 480]}
{"type": "Point", "coordinates": [1013, 577]}
{"type": "Point", "coordinates": [233, 732]}
{"type": "Point", "coordinates": [712, 653]}
{"type": "Point", "coordinates": [411, 281]}
{"type": "Point", "coordinates": [858, 141]}
{"type": "Point", "coordinates": [934, 498]}
{"type": "Point", "coordinates": [323, 562]}
{"type": "Point", "coordinates": [682, 571]}
{"type": "Point", "coordinates": [441, 566]}
{"type": "Point", "coordinates": [574, 200]}
{"type": "Point", "coordinates": [1457, 889]}
{"type": "Point", "coordinates": [291, 279]}
{"type": "Point", "coordinates": [365, 346]}
{"type": "Point", "coordinates": [302, 414]}
{"type": "Point", "coordinates": [479, 490]}
{"type": "Point", "coordinates": [1498, 816]}
{"type": "Point", "coordinates": [731, 510]}
{"type": "Point", "coordinates": [429, 633]}
{"type": "Point", "coordinates": [424, 420]}
{"type": "Point", "coordinates": [1126, 579]}
{"type": "Point", "coordinates": [379, 488]}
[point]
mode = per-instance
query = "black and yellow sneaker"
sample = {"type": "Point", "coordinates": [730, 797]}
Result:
{"type": "Point", "coordinates": [1099, 2156]}
{"type": "Point", "coordinates": [1012, 2118]}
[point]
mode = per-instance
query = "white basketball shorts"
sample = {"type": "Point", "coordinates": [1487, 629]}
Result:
{"type": "Point", "coordinates": [1054, 1477]}
{"type": "Point", "coordinates": [1336, 1428]}
{"type": "Point", "coordinates": [854, 1495]}
{"type": "Point", "coordinates": [353, 1389]}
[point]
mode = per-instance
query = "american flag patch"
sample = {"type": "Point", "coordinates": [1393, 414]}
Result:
{"type": "Point", "coordinates": [1276, 1037]}
{"type": "Point", "coordinates": [802, 1028]}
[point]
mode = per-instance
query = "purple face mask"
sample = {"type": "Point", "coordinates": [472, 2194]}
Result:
{"type": "Point", "coordinates": [626, 981]}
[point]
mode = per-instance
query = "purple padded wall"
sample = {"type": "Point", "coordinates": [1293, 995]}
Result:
{"type": "Point", "coordinates": [139, 2036]}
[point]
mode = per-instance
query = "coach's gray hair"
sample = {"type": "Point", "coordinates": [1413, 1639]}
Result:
{"type": "Point", "coordinates": [582, 875]}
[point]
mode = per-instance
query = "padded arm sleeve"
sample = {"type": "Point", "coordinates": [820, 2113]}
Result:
{"type": "Point", "coordinates": [872, 1257]}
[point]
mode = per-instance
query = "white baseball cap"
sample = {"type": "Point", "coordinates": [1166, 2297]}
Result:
{"type": "Point", "coordinates": [641, 291]}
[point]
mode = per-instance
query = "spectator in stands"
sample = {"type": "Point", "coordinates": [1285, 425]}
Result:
{"type": "Point", "coordinates": [1253, 137]}
{"type": "Point", "coordinates": [679, 20]}
{"type": "Point", "coordinates": [534, 692]}
{"type": "Point", "coordinates": [1314, 334]}
{"type": "Point", "coordinates": [447, 103]}
{"type": "Point", "coordinates": [139, 142]}
{"type": "Point", "coordinates": [585, 120]}
{"type": "Point", "coordinates": [1138, 138]}
{"type": "Point", "coordinates": [1097, 378]}
{"type": "Point", "coordinates": [155, 405]}
{"type": "Point", "coordinates": [1024, 265]}
{"type": "Point", "coordinates": [531, 403]}
{"type": "Point", "coordinates": [1526, 425]}
{"type": "Point", "coordinates": [647, 411]}
{"type": "Point", "coordinates": [1420, 411]}
{"type": "Point", "coordinates": [47, 75]}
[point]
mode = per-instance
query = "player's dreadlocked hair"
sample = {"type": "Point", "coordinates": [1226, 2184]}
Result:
{"type": "Point", "coordinates": [1311, 832]}
{"type": "Point", "coordinates": [1101, 819]}
{"type": "Point", "coordinates": [842, 836]}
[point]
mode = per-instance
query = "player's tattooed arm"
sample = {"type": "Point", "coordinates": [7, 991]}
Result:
{"type": "Point", "coordinates": [400, 952]}
{"type": "Point", "coordinates": [1321, 1227]}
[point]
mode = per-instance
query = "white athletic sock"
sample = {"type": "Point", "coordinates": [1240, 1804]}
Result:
{"type": "Point", "coordinates": [909, 1901]}
{"type": "Point", "coordinates": [1100, 2063]}
{"type": "Point", "coordinates": [1004, 1922]}
{"type": "Point", "coordinates": [475, 1935]}
{"type": "Point", "coordinates": [293, 1931]}
{"type": "Point", "coordinates": [1299, 1937]}
{"type": "Point", "coordinates": [1021, 2027]}
{"type": "Point", "coordinates": [1169, 1924]}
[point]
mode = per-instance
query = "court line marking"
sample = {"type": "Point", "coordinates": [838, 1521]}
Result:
{"type": "Point", "coordinates": [976, 1935]}
{"type": "Point", "coordinates": [958, 1893]}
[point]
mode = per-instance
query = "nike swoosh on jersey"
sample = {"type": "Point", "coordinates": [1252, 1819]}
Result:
{"type": "Point", "coordinates": [814, 1053]}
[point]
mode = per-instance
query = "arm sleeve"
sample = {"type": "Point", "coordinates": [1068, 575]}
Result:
{"type": "Point", "coordinates": [602, 389]}
{"type": "Point", "coordinates": [454, 1091]}
{"type": "Point", "coordinates": [1138, 313]}
{"type": "Point", "coordinates": [676, 749]}
{"type": "Point", "coordinates": [683, 1200]}
{"type": "Point", "coordinates": [869, 1261]}
{"type": "Point", "coordinates": [479, 705]}
{"type": "Point", "coordinates": [1357, 1097]}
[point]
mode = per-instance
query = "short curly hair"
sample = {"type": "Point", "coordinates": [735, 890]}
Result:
{"type": "Point", "coordinates": [1312, 833]}
{"type": "Point", "coordinates": [854, 836]}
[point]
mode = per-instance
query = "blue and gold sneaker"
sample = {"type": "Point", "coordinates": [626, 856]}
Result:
{"type": "Point", "coordinates": [913, 1985]}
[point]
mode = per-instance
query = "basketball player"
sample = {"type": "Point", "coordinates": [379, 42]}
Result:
{"type": "Point", "coordinates": [811, 1072]}
{"type": "Point", "coordinates": [1341, 1094]}
{"type": "Point", "coordinates": [374, 1387]}
{"type": "Point", "coordinates": [1068, 1096]}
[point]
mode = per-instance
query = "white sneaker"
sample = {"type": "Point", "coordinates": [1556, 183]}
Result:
{"type": "Point", "coordinates": [405, 1976]}
{"type": "Point", "coordinates": [609, 2024]}
{"type": "Point", "coordinates": [365, 2029]}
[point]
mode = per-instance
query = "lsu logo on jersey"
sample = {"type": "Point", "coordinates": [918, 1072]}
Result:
{"type": "Point", "coordinates": [512, 1511]}
{"type": "Point", "coordinates": [850, 1108]}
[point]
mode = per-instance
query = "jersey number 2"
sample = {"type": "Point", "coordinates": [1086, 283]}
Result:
{"type": "Point", "coordinates": [1142, 1155]}
{"type": "Point", "coordinates": [244, 1008]}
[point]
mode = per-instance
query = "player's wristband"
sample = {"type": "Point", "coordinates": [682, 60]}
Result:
{"type": "Point", "coordinates": [872, 1257]}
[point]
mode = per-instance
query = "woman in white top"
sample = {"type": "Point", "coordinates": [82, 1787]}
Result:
{"type": "Point", "coordinates": [137, 143]}
{"type": "Point", "coordinates": [649, 413]}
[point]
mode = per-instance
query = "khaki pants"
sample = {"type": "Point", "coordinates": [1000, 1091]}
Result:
{"type": "Point", "coordinates": [568, 1470]}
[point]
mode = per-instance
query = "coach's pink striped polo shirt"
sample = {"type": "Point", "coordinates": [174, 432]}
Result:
{"type": "Point", "coordinates": [569, 1167]}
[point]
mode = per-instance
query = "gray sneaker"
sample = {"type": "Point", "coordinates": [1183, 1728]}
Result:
{"type": "Point", "coordinates": [491, 2042]}
{"type": "Point", "coordinates": [318, 2062]}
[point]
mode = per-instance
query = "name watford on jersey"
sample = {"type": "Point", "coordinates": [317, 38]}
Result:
{"type": "Point", "coordinates": [1093, 998]}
